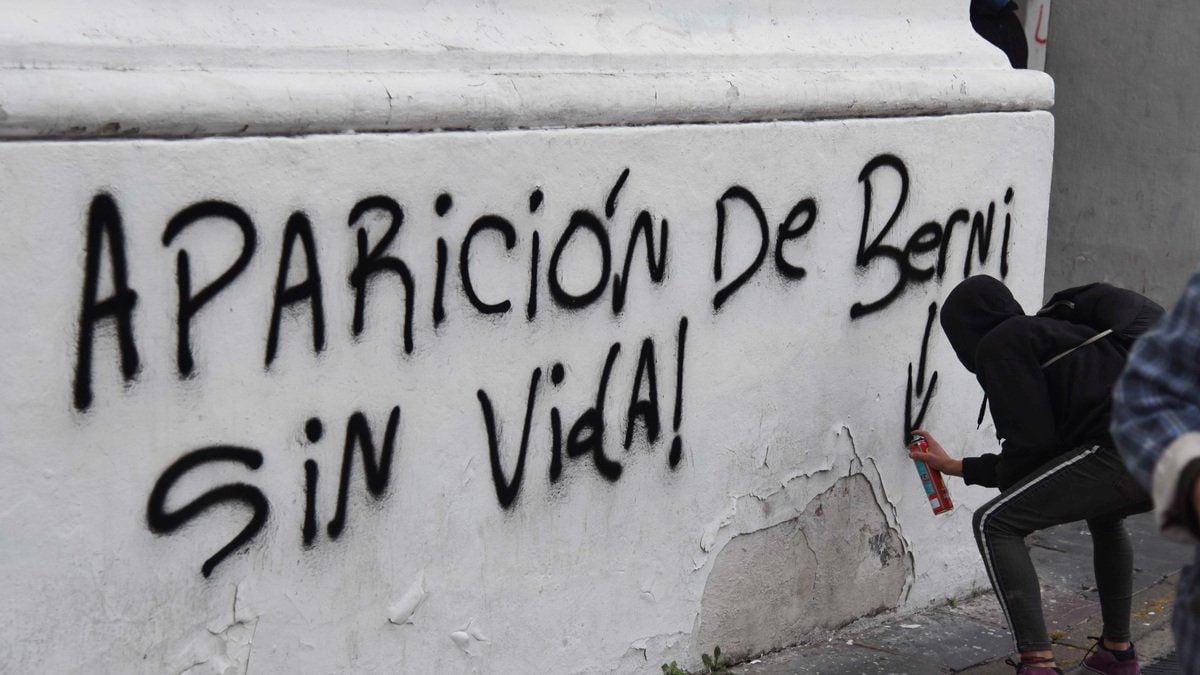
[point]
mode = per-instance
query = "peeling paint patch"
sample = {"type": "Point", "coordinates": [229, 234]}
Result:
{"type": "Point", "coordinates": [870, 468]}
{"type": "Point", "coordinates": [401, 611]}
{"type": "Point", "coordinates": [647, 591]}
{"type": "Point", "coordinates": [651, 651]}
{"type": "Point", "coordinates": [838, 561]}
{"type": "Point", "coordinates": [224, 645]}
{"type": "Point", "coordinates": [709, 539]}
{"type": "Point", "coordinates": [783, 497]}
{"type": "Point", "coordinates": [469, 639]}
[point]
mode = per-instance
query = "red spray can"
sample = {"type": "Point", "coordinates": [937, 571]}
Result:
{"type": "Point", "coordinates": [935, 487]}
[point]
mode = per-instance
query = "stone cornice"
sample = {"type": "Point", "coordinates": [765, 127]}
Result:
{"type": "Point", "coordinates": [137, 72]}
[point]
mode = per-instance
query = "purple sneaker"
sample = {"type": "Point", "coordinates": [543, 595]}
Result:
{"type": "Point", "coordinates": [1034, 667]}
{"type": "Point", "coordinates": [1101, 660]}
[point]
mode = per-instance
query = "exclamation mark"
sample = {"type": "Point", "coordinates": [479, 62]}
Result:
{"type": "Point", "coordinates": [677, 444]}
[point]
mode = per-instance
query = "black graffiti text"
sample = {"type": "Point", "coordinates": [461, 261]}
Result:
{"type": "Point", "coordinates": [381, 271]}
{"type": "Point", "coordinates": [377, 459]}
{"type": "Point", "coordinates": [587, 435]}
{"type": "Point", "coordinates": [932, 236]}
{"type": "Point", "coordinates": [799, 222]}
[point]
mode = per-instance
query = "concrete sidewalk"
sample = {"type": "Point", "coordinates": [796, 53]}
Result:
{"type": "Point", "coordinates": [970, 636]}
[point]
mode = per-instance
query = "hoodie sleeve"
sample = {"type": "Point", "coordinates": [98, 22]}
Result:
{"type": "Point", "coordinates": [1021, 409]}
{"type": "Point", "coordinates": [980, 470]}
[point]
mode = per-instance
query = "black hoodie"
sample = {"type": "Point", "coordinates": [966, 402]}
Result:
{"type": "Point", "coordinates": [1040, 413]}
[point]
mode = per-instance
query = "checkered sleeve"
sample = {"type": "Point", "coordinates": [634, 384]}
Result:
{"type": "Point", "coordinates": [1186, 619]}
{"type": "Point", "coordinates": [1156, 403]}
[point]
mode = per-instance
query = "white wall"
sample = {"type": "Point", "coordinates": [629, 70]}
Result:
{"type": "Point", "coordinates": [775, 500]}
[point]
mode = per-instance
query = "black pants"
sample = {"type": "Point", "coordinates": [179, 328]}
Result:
{"type": "Point", "coordinates": [1088, 483]}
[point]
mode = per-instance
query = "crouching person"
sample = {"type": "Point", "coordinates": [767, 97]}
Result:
{"type": "Point", "coordinates": [1049, 379]}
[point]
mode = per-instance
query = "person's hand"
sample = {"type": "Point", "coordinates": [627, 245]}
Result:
{"type": "Point", "coordinates": [937, 458]}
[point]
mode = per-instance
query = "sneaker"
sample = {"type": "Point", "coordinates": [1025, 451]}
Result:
{"type": "Point", "coordinates": [1034, 667]}
{"type": "Point", "coordinates": [1101, 660]}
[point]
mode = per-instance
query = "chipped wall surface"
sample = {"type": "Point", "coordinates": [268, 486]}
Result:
{"type": "Point", "coordinates": [837, 561]}
{"type": "Point", "coordinates": [559, 400]}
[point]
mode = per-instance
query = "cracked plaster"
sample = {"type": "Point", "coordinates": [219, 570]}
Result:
{"type": "Point", "coordinates": [836, 561]}
{"type": "Point", "coordinates": [224, 646]}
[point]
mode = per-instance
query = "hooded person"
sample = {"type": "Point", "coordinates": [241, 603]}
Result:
{"type": "Point", "coordinates": [1048, 379]}
{"type": "Point", "coordinates": [975, 307]}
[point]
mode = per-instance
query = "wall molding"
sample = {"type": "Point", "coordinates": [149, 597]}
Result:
{"type": "Point", "coordinates": [234, 71]}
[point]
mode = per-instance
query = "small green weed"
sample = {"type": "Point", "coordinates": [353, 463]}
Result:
{"type": "Point", "coordinates": [673, 669]}
{"type": "Point", "coordinates": [712, 664]}
{"type": "Point", "coordinates": [715, 663]}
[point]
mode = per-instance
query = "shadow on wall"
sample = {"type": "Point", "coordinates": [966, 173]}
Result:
{"type": "Point", "coordinates": [836, 562]}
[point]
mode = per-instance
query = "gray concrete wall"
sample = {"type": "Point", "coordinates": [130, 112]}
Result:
{"type": "Point", "coordinates": [1125, 200]}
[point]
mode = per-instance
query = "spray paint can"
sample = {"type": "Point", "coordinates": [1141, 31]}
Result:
{"type": "Point", "coordinates": [935, 487]}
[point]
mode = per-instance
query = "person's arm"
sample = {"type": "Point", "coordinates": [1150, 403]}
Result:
{"type": "Point", "coordinates": [973, 470]}
{"type": "Point", "coordinates": [1156, 414]}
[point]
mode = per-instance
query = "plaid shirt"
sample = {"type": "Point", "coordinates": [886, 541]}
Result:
{"type": "Point", "coordinates": [1156, 401]}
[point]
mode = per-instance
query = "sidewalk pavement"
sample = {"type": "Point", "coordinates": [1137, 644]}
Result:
{"type": "Point", "coordinates": [970, 636]}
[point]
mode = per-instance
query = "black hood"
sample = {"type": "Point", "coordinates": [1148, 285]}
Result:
{"type": "Point", "coordinates": [972, 310]}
